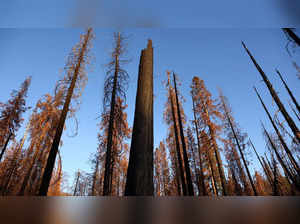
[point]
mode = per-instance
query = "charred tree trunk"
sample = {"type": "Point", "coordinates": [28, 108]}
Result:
{"type": "Point", "coordinates": [288, 152]}
{"type": "Point", "coordinates": [289, 91]}
{"type": "Point", "coordinates": [179, 159]}
{"type": "Point", "coordinates": [292, 35]}
{"type": "Point", "coordinates": [262, 165]}
{"type": "Point", "coordinates": [294, 111]}
{"type": "Point", "coordinates": [274, 95]}
{"type": "Point", "coordinates": [276, 191]}
{"type": "Point", "coordinates": [268, 172]}
{"type": "Point", "coordinates": [204, 192]}
{"type": "Point", "coordinates": [140, 168]}
{"type": "Point", "coordinates": [55, 144]}
{"type": "Point", "coordinates": [240, 149]}
{"type": "Point", "coordinates": [5, 146]}
{"type": "Point", "coordinates": [185, 156]}
{"type": "Point", "coordinates": [108, 160]}
{"type": "Point", "coordinates": [295, 181]}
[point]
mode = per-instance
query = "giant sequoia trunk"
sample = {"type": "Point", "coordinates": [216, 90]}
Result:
{"type": "Point", "coordinates": [274, 95]}
{"type": "Point", "coordinates": [140, 168]}
{"type": "Point", "coordinates": [185, 157]}
{"type": "Point", "coordinates": [55, 144]}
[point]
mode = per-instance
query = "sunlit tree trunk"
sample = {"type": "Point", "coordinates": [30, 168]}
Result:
{"type": "Point", "coordinates": [140, 168]}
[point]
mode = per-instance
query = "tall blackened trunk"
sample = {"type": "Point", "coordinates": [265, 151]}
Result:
{"type": "Point", "coordinates": [5, 146]}
{"type": "Point", "coordinates": [268, 171]}
{"type": "Point", "coordinates": [55, 144]}
{"type": "Point", "coordinates": [176, 136]}
{"type": "Point", "coordinates": [239, 147]}
{"type": "Point", "coordinates": [287, 150]}
{"type": "Point", "coordinates": [140, 168]}
{"type": "Point", "coordinates": [262, 165]}
{"type": "Point", "coordinates": [108, 160]}
{"type": "Point", "coordinates": [276, 191]}
{"type": "Point", "coordinates": [289, 91]}
{"type": "Point", "coordinates": [292, 35]}
{"type": "Point", "coordinates": [283, 165]}
{"type": "Point", "coordinates": [203, 187]}
{"type": "Point", "coordinates": [185, 156]}
{"type": "Point", "coordinates": [274, 95]}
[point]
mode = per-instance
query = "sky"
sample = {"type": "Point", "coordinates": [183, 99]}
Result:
{"type": "Point", "coordinates": [195, 39]}
{"type": "Point", "coordinates": [215, 55]}
{"type": "Point", "coordinates": [155, 13]}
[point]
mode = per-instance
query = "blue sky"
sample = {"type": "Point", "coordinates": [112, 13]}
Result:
{"type": "Point", "coordinates": [155, 13]}
{"type": "Point", "coordinates": [215, 55]}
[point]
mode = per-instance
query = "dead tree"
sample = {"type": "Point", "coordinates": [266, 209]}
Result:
{"type": "Point", "coordinates": [274, 95]}
{"type": "Point", "coordinates": [283, 165]}
{"type": "Point", "coordinates": [238, 145]}
{"type": "Point", "coordinates": [77, 68]}
{"type": "Point", "coordinates": [76, 183]}
{"type": "Point", "coordinates": [289, 91]}
{"type": "Point", "coordinates": [183, 181]}
{"type": "Point", "coordinates": [186, 160]}
{"type": "Point", "coordinates": [204, 192]}
{"type": "Point", "coordinates": [140, 168]}
{"type": "Point", "coordinates": [292, 35]}
{"type": "Point", "coordinates": [287, 150]}
{"type": "Point", "coordinates": [115, 83]}
{"type": "Point", "coordinates": [261, 163]}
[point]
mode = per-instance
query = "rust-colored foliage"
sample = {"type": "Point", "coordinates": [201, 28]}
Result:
{"type": "Point", "coordinates": [207, 116]}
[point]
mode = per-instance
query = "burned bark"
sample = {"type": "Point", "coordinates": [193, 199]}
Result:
{"type": "Point", "coordinates": [140, 168]}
